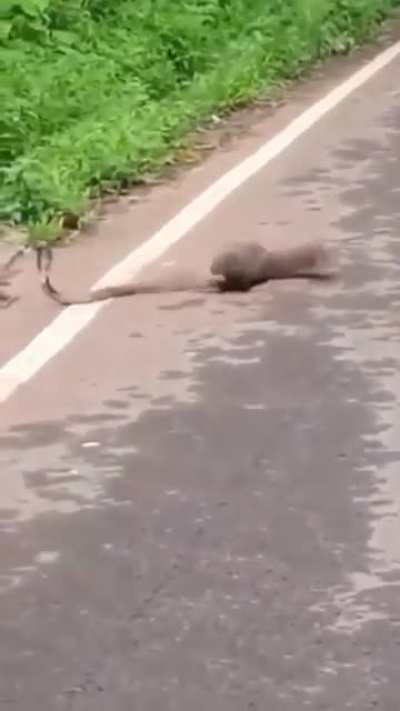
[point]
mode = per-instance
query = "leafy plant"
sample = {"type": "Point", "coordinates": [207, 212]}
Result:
{"type": "Point", "coordinates": [95, 93]}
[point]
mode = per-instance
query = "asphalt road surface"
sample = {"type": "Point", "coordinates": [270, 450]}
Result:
{"type": "Point", "coordinates": [199, 502]}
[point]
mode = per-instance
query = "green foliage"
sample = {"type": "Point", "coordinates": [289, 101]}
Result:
{"type": "Point", "coordinates": [94, 93]}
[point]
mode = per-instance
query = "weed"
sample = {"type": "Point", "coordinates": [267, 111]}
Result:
{"type": "Point", "coordinates": [95, 93]}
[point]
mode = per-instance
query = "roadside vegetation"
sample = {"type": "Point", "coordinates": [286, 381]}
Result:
{"type": "Point", "coordinates": [94, 94]}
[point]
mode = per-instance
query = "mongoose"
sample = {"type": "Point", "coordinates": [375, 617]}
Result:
{"type": "Point", "coordinates": [240, 267]}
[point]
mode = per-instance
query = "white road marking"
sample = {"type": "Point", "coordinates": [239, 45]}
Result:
{"type": "Point", "coordinates": [63, 329]}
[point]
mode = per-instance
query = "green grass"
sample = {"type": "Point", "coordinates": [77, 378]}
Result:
{"type": "Point", "coordinates": [96, 93]}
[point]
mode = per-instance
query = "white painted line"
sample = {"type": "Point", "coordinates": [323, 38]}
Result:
{"type": "Point", "coordinates": [47, 344]}
{"type": "Point", "coordinates": [63, 329]}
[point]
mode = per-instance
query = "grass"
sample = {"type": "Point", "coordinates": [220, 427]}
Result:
{"type": "Point", "coordinates": [97, 93]}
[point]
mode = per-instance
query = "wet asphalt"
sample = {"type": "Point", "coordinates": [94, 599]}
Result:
{"type": "Point", "coordinates": [200, 501]}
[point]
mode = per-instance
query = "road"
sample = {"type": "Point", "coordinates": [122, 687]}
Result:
{"type": "Point", "coordinates": [200, 494]}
